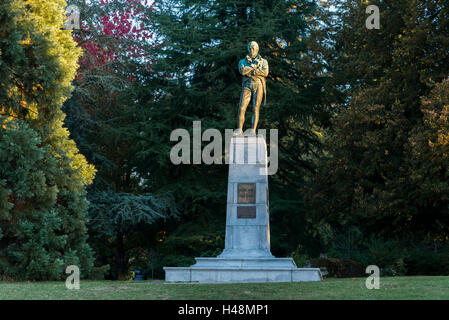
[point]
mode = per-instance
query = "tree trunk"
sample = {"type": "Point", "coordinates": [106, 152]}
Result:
{"type": "Point", "coordinates": [120, 258]}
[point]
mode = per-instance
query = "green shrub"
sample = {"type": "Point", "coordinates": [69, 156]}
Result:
{"type": "Point", "coordinates": [170, 261]}
{"type": "Point", "coordinates": [98, 273]}
{"type": "Point", "coordinates": [299, 256]}
{"type": "Point", "coordinates": [388, 255]}
{"type": "Point", "coordinates": [426, 262]}
{"type": "Point", "coordinates": [444, 254]}
{"type": "Point", "coordinates": [339, 268]}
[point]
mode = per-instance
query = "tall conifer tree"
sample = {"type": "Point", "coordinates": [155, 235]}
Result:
{"type": "Point", "coordinates": [42, 174]}
{"type": "Point", "coordinates": [370, 178]}
{"type": "Point", "coordinates": [195, 78]}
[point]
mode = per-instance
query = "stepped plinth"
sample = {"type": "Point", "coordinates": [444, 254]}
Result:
{"type": "Point", "coordinates": [246, 256]}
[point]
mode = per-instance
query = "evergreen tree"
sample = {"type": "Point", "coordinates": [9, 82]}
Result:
{"type": "Point", "coordinates": [369, 179]}
{"type": "Point", "coordinates": [31, 243]}
{"type": "Point", "coordinates": [196, 78]}
{"type": "Point", "coordinates": [121, 220]}
{"type": "Point", "coordinates": [105, 117]}
{"type": "Point", "coordinates": [43, 175]}
{"type": "Point", "coordinates": [428, 167]}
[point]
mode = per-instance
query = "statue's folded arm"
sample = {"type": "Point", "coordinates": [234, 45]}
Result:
{"type": "Point", "coordinates": [244, 70]}
{"type": "Point", "coordinates": [262, 71]}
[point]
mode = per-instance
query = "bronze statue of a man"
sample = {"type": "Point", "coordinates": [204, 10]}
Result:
{"type": "Point", "coordinates": [254, 70]}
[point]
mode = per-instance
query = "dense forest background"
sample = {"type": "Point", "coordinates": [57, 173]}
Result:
{"type": "Point", "coordinates": [86, 116]}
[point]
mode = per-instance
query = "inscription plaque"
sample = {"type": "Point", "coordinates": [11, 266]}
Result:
{"type": "Point", "coordinates": [246, 212]}
{"type": "Point", "coordinates": [247, 193]}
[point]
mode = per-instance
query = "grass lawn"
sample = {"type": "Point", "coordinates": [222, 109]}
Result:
{"type": "Point", "coordinates": [390, 288]}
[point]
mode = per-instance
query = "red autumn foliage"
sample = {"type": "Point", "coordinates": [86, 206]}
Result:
{"type": "Point", "coordinates": [119, 33]}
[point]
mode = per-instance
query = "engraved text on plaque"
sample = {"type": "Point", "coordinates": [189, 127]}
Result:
{"type": "Point", "coordinates": [246, 212]}
{"type": "Point", "coordinates": [247, 193]}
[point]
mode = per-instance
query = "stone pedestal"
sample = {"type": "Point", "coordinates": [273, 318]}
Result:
{"type": "Point", "coordinates": [247, 219]}
{"type": "Point", "coordinates": [246, 256]}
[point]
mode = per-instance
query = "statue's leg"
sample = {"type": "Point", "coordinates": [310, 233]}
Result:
{"type": "Point", "coordinates": [245, 98]}
{"type": "Point", "coordinates": [256, 105]}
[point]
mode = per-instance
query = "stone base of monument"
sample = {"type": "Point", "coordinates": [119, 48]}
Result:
{"type": "Point", "coordinates": [246, 256]}
{"type": "Point", "coordinates": [228, 270]}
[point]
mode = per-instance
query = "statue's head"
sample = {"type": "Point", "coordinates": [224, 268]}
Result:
{"type": "Point", "coordinates": [253, 49]}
